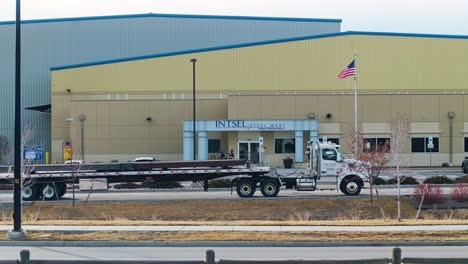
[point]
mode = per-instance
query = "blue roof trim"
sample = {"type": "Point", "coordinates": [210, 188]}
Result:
{"type": "Point", "coordinates": [52, 20]}
{"type": "Point", "coordinates": [257, 44]}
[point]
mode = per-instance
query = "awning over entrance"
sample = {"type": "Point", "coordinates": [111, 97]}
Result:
{"type": "Point", "coordinates": [202, 128]}
{"type": "Point", "coordinates": [41, 108]}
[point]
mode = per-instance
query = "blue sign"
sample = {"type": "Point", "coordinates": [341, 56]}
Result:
{"type": "Point", "coordinates": [32, 153]}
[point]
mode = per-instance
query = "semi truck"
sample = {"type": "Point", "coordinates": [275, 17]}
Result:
{"type": "Point", "coordinates": [326, 169]}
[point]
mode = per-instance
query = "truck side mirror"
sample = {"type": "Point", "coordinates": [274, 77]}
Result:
{"type": "Point", "coordinates": [338, 159]}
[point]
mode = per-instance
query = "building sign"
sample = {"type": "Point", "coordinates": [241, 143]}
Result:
{"type": "Point", "coordinates": [236, 125]}
{"type": "Point", "coordinates": [32, 153]}
{"type": "Point", "coordinates": [252, 125]}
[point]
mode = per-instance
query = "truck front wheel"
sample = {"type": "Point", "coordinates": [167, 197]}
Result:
{"type": "Point", "coordinates": [351, 186]}
{"type": "Point", "coordinates": [245, 188]}
{"type": "Point", "coordinates": [270, 188]}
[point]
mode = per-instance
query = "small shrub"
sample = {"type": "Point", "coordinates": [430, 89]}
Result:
{"type": "Point", "coordinates": [379, 181]}
{"type": "Point", "coordinates": [161, 185]}
{"type": "Point", "coordinates": [460, 192]}
{"type": "Point", "coordinates": [432, 193]}
{"type": "Point", "coordinates": [220, 183]}
{"type": "Point", "coordinates": [462, 179]}
{"type": "Point", "coordinates": [406, 180]}
{"type": "Point", "coordinates": [441, 179]}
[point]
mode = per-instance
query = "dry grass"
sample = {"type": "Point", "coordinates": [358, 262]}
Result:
{"type": "Point", "coordinates": [335, 211]}
{"type": "Point", "coordinates": [255, 236]}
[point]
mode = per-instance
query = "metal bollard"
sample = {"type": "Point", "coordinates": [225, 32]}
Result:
{"type": "Point", "coordinates": [25, 256]}
{"type": "Point", "coordinates": [210, 257]}
{"type": "Point", "coordinates": [396, 256]}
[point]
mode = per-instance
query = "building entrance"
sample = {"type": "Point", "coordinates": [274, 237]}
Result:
{"type": "Point", "coordinates": [248, 150]}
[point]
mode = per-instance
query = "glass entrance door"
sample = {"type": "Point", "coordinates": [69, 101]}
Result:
{"type": "Point", "coordinates": [248, 150]}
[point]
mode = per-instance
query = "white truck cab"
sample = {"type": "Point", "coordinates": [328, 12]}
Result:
{"type": "Point", "coordinates": [325, 160]}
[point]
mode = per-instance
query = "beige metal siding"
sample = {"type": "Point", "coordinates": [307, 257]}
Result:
{"type": "Point", "coordinates": [384, 63]}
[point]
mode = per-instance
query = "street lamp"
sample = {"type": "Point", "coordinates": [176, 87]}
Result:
{"type": "Point", "coordinates": [193, 105]}
{"type": "Point", "coordinates": [17, 231]}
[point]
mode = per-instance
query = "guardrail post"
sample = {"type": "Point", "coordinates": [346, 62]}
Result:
{"type": "Point", "coordinates": [25, 257]}
{"type": "Point", "coordinates": [210, 257]}
{"type": "Point", "coordinates": [396, 256]}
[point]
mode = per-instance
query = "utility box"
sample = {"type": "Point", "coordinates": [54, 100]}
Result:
{"type": "Point", "coordinates": [97, 184]}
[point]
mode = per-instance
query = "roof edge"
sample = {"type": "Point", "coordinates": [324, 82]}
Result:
{"type": "Point", "coordinates": [52, 20]}
{"type": "Point", "coordinates": [250, 44]}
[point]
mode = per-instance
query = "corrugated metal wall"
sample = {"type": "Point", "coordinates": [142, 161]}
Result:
{"type": "Point", "coordinates": [55, 43]}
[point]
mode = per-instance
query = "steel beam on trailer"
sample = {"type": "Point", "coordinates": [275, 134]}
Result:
{"type": "Point", "coordinates": [131, 166]}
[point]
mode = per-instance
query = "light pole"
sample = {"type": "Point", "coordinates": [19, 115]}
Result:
{"type": "Point", "coordinates": [17, 231]}
{"type": "Point", "coordinates": [193, 105]}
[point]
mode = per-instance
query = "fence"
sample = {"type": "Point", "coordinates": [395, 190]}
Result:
{"type": "Point", "coordinates": [25, 258]}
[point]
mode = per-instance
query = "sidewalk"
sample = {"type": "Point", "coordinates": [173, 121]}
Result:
{"type": "Point", "coordinates": [78, 229]}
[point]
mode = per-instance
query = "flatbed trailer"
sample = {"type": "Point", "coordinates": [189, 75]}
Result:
{"type": "Point", "coordinates": [324, 161]}
{"type": "Point", "coordinates": [49, 182]}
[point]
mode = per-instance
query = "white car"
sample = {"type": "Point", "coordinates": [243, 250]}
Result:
{"type": "Point", "coordinates": [144, 159]}
{"type": "Point", "coordinates": [74, 162]}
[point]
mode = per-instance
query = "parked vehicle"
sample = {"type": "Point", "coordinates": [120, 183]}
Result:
{"type": "Point", "coordinates": [327, 168]}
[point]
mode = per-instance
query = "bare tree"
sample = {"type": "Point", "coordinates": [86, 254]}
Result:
{"type": "Point", "coordinates": [26, 165]}
{"type": "Point", "coordinates": [399, 138]}
{"type": "Point", "coordinates": [5, 147]}
{"type": "Point", "coordinates": [371, 161]}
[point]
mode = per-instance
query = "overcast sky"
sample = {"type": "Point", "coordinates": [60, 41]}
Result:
{"type": "Point", "coordinates": [417, 16]}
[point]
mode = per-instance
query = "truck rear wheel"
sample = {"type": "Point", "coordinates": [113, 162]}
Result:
{"type": "Point", "coordinates": [270, 188]}
{"type": "Point", "coordinates": [351, 186]}
{"type": "Point", "coordinates": [245, 188]}
{"type": "Point", "coordinates": [30, 193]}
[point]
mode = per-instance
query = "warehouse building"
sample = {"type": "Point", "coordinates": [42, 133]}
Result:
{"type": "Point", "coordinates": [284, 91]}
{"type": "Point", "coordinates": [52, 42]}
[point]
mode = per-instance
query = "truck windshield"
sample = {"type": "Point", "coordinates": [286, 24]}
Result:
{"type": "Point", "coordinates": [340, 154]}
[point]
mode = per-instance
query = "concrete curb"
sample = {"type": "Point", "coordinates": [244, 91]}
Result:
{"type": "Point", "coordinates": [226, 243]}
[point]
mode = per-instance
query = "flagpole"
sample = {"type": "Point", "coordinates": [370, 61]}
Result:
{"type": "Point", "coordinates": [355, 106]}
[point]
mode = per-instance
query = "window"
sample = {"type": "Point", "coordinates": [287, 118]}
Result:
{"type": "Point", "coordinates": [328, 154]}
{"type": "Point", "coordinates": [285, 145]}
{"type": "Point", "coordinates": [419, 144]}
{"type": "Point", "coordinates": [214, 145]}
{"type": "Point", "coordinates": [370, 143]}
{"type": "Point", "coordinates": [466, 144]}
{"type": "Point", "coordinates": [332, 140]}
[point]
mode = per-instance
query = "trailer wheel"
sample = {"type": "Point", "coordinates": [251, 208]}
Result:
{"type": "Point", "coordinates": [245, 188]}
{"type": "Point", "coordinates": [270, 188]}
{"type": "Point", "coordinates": [350, 186]}
{"type": "Point", "coordinates": [30, 193]}
{"type": "Point", "coordinates": [61, 188]}
{"type": "Point", "coordinates": [49, 192]}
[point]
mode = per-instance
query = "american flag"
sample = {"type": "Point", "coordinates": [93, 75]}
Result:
{"type": "Point", "coordinates": [348, 71]}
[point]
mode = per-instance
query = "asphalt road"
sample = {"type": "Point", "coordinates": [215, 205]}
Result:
{"type": "Point", "coordinates": [212, 194]}
{"type": "Point", "coordinates": [235, 253]}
